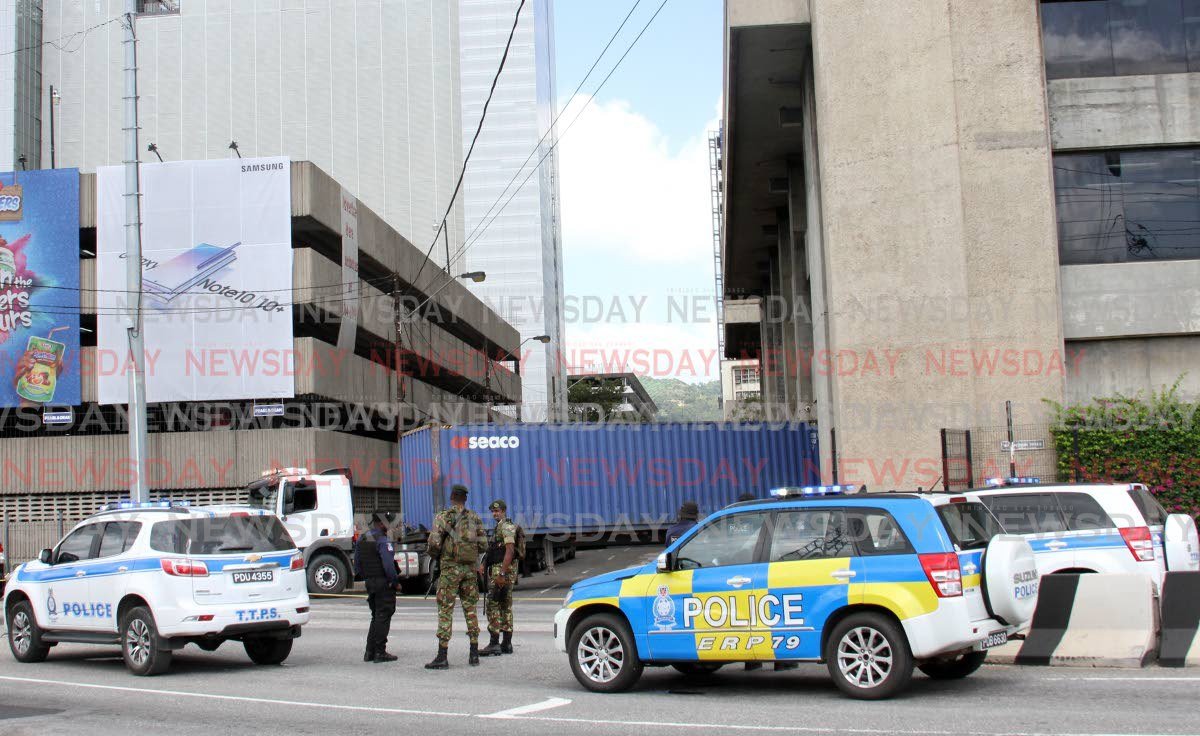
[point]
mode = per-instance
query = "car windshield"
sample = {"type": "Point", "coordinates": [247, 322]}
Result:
{"type": "Point", "coordinates": [221, 535]}
{"type": "Point", "coordinates": [970, 525]}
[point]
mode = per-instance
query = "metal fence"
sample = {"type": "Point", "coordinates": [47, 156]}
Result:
{"type": "Point", "coordinates": [971, 457]}
{"type": "Point", "coordinates": [23, 540]}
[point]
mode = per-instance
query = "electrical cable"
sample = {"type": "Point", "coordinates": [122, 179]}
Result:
{"type": "Point", "coordinates": [478, 129]}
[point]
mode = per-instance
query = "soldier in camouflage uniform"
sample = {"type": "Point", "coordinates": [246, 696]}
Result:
{"type": "Point", "coordinates": [457, 540]}
{"type": "Point", "coordinates": [501, 572]}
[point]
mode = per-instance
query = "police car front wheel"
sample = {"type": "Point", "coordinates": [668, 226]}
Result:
{"type": "Point", "coordinates": [140, 645]}
{"type": "Point", "coordinates": [603, 655]}
{"type": "Point", "coordinates": [868, 656]}
{"type": "Point", "coordinates": [24, 636]}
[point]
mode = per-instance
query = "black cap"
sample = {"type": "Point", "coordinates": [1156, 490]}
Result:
{"type": "Point", "coordinates": [458, 490]}
{"type": "Point", "coordinates": [383, 517]}
{"type": "Point", "coordinates": [747, 497]}
{"type": "Point", "coordinates": [689, 510]}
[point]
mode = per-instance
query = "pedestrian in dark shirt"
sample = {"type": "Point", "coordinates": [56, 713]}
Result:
{"type": "Point", "coordinates": [689, 512]}
{"type": "Point", "coordinates": [375, 563]}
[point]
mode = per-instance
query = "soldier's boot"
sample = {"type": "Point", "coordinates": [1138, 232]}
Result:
{"type": "Point", "coordinates": [473, 657]}
{"type": "Point", "coordinates": [439, 662]}
{"type": "Point", "coordinates": [383, 656]}
{"type": "Point", "coordinates": [506, 645]}
{"type": "Point", "coordinates": [493, 647]}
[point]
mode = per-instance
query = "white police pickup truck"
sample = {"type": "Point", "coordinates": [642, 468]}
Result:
{"type": "Point", "coordinates": [155, 577]}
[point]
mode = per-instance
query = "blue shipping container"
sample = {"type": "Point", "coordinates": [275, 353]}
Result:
{"type": "Point", "coordinates": [584, 478]}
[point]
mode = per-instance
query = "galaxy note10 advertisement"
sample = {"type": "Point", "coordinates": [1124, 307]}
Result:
{"type": "Point", "coordinates": [39, 288]}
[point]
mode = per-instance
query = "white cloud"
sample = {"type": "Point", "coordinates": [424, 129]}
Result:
{"type": "Point", "coordinates": [624, 192]}
{"type": "Point", "coordinates": [629, 199]}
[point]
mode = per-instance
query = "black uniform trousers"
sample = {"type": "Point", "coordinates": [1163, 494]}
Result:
{"type": "Point", "coordinates": [381, 598]}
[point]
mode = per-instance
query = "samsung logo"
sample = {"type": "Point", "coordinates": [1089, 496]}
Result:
{"type": "Point", "coordinates": [253, 168]}
{"type": "Point", "coordinates": [485, 443]}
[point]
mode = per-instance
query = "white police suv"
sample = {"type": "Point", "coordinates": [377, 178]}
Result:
{"type": "Point", "coordinates": [1094, 527]}
{"type": "Point", "coordinates": [872, 584]}
{"type": "Point", "coordinates": [156, 577]}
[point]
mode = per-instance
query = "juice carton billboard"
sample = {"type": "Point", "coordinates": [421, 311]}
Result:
{"type": "Point", "coordinates": [39, 288]}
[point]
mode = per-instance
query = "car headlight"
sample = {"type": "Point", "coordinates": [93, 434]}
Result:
{"type": "Point", "coordinates": [570, 595]}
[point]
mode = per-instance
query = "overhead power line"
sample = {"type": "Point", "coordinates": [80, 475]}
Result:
{"type": "Point", "coordinates": [469, 242]}
{"type": "Point", "coordinates": [466, 159]}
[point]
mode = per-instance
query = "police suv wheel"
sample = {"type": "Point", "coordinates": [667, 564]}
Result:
{"type": "Point", "coordinates": [868, 656]}
{"type": "Point", "coordinates": [603, 655]}
{"type": "Point", "coordinates": [140, 644]}
{"type": "Point", "coordinates": [327, 574]}
{"type": "Point", "coordinates": [24, 636]}
{"type": "Point", "coordinates": [268, 651]}
{"type": "Point", "coordinates": [954, 668]}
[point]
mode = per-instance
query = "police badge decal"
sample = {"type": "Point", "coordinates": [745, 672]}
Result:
{"type": "Point", "coordinates": [664, 609]}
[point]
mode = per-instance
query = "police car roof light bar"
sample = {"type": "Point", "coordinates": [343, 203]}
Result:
{"type": "Point", "coordinates": [802, 491]}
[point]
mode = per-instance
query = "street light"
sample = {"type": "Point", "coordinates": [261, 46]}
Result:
{"type": "Point", "coordinates": [476, 276]}
{"type": "Point", "coordinates": [55, 99]}
{"type": "Point", "coordinates": [543, 339]}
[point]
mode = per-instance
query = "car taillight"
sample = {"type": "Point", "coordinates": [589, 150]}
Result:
{"type": "Point", "coordinates": [354, 537]}
{"type": "Point", "coordinates": [943, 572]}
{"type": "Point", "coordinates": [1140, 543]}
{"type": "Point", "coordinates": [184, 568]}
{"type": "Point", "coordinates": [298, 562]}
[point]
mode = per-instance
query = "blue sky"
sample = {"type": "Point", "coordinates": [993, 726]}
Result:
{"type": "Point", "coordinates": [637, 236]}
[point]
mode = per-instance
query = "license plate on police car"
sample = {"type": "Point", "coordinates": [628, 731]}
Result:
{"type": "Point", "coordinates": [258, 576]}
{"type": "Point", "coordinates": [995, 639]}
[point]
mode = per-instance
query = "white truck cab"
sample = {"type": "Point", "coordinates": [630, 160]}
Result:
{"type": "Point", "coordinates": [317, 509]}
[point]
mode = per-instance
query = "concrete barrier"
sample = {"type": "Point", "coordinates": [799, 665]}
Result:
{"type": "Point", "coordinates": [1092, 621]}
{"type": "Point", "coordinates": [1180, 620]}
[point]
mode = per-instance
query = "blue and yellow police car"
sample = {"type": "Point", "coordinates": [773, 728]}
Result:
{"type": "Point", "coordinates": [871, 584]}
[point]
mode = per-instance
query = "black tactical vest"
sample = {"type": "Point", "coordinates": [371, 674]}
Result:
{"type": "Point", "coordinates": [368, 556]}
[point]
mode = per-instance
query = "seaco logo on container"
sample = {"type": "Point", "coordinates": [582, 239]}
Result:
{"type": "Point", "coordinates": [485, 443]}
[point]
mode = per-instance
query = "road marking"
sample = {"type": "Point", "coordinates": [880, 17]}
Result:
{"type": "Point", "coordinates": [546, 704]}
{"type": "Point", "coordinates": [547, 590]}
{"type": "Point", "coordinates": [238, 698]}
{"type": "Point", "coordinates": [1123, 679]}
{"type": "Point", "coordinates": [801, 729]}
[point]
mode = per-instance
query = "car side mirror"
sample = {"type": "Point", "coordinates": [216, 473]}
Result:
{"type": "Point", "coordinates": [666, 562]}
{"type": "Point", "coordinates": [45, 556]}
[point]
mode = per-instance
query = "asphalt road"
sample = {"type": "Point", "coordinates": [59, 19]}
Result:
{"type": "Point", "coordinates": [325, 688]}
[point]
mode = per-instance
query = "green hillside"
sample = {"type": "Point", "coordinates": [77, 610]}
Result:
{"type": "Point", "coordinates": [684, 402]}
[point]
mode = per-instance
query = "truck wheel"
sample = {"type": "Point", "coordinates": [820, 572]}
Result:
{"type": "Point", "coordinates": [24, 635]}
{"type": "Point", "coordinates": [418, 585]}
{"type": "Point", "coordinates": [268, 651]}
{"type": "Point", "coordinates": [868, 657]}
{"type": "Point", "coordinates": [139, 644]}
{"type": "Point", "coordinates": [954, 669]}
{"type": "Point", "coordinates": [603, 655]}
{"type": "Point", "coordinates": [327, 574]}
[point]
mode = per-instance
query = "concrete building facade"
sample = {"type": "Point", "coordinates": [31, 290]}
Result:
{"type": "Point", "coordinates": [20, 106]}
{"type": "Point", "coordinates": [948, 206]}
{"type": "Point", "coordinates": [635, 404]}
{"type": "Point", "coordinates": [365, 89]}
{"type": "Point", "coordinates": [512, 202]}
{"type": "Point", "coordinates": [350, 403]}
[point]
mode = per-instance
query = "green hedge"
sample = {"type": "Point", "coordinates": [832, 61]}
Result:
{"type": "Point", "coordinates": [1155, 441]}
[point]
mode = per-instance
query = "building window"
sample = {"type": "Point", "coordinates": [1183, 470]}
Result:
{"type": "Point", "coordinates": [745, 395]}
{"type": "Point", "coordinates": [742, 376]}
{"type": "Point", "coordinates": [1128, 205]}
{"type": "Point", "coordinates": [158, 7]}
{"type": "Point", "coordinates": [1105, 38]}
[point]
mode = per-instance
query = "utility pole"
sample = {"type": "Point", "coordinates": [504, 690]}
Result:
{"type": "Point", "coordinates": [138, 491]}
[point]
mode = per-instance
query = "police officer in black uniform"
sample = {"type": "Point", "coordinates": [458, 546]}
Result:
{"type": "Point", "coordinates": [375, 563]}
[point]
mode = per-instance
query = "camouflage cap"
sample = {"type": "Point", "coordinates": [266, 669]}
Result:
{"type": "Point", "coordinates": [498, 504]}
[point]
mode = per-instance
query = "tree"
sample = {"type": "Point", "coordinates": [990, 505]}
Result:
{"type": "Point", "coordinates": [596, 401]}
